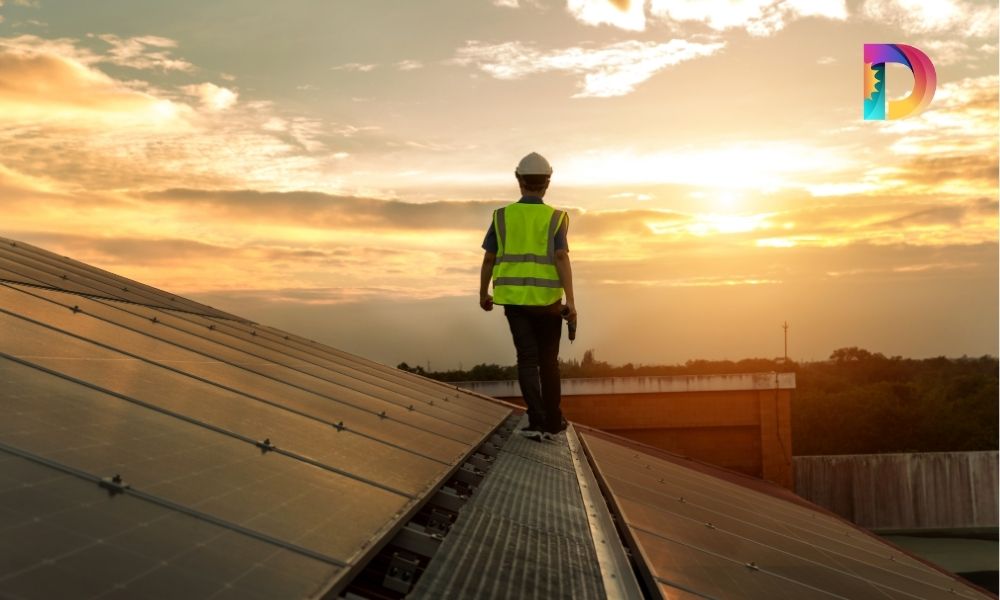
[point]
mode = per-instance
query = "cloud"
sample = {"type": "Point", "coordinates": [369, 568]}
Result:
{"type": "Point", "coordinates": [212, 96]}
{"type": "Point", "coordinates": [507, 3]}
{"type": "Point", "coordinates": [409, 65]}
{"type": "Point", "coordinates": [937, 169]}
{"type": "Point", "coordinates": [144, 52]}
{"type": "Point", "coordinates": [98, 132]}
{"type": "Point", "coordinates": [757, 17]}
{"type": "Point", "coordinates": [52, 80]}
{"type": "Point", "coordinates": [355, 67]}
{"type": "Point", "coordinates": [612, 70]}
{"type": "Point", "coordinates": [332, 211]}
{"type": "Point", "coordinates": [762, 165]}
{"type": "Point", "coordinates": [948, 52]}
{"type": "Point", "coordinates": [622, 14]}
{"type": "Point", "coordinates": [951, 145]}
{"type": "Point", "coordinates": [935, 16]}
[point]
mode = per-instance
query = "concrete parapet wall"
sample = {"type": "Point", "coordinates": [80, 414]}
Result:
{"type": "Point", "coordinates": [919, 491]}
{"type": "Point", "coordinates": [646, 385]}
{"type": "Point", "coordinates": [738, 421]}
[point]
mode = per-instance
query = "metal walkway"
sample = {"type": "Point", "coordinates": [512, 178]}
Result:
{"type": "Point", "coordinates": [526, 533]}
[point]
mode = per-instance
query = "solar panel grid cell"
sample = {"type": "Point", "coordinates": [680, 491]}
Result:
{"type": "Point", "coordinates": [754, 505]}
{"type": "Point", "coordinates": [407, 385]}
{"type": "Point", "coordinates": [201, 358]}
{"type": "Point", "coordinates": [710, 536]}
{"type": "Point", "coordinates": [110, 283]}
{"type": "Point", "coordinates": [62, 536]}
{"type": "Point", "coordinates": [189, 331]}
{"type": "Point", "coordinates": [259, 433]}
{"type": "Point", "coordinates": [205, 403]}
{"type": "Point", "coordinates": [385, 373]}
{"type": "Point", "coordinates": [191, 466]}
{"type": "Point", "coordinates": [35, 266]}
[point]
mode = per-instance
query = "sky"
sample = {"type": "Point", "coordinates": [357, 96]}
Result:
{"type": "Point", "coordinates": [330, 167]}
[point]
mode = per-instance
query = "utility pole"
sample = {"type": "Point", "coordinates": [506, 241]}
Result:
{"type": "Point", "coordinates": [785, 327]}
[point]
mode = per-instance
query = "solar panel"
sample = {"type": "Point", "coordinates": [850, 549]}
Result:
{"type": "Point", "coordinates": [64, 536]}
{"type": "Point", "coordinates": [444, 402]}
{"type": "Point", "coordinates": [203, 358]}
{"type": "Point", "coordinates": [380, 459]}
{"type": "Point", "coordinates": [316, 360]}
{"type": "Point", "coordinates": [708, 535]}
{"type": "Point", "coordinates": [88, 279]}
{"type": "Point", "coordinates": [223, 476]}
{"type": "Point", "coordinates": [277, 442]}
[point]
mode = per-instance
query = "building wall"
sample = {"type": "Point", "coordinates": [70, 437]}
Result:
{"type": "Point", "coordinates": [741, 422]}
{"type": "Point", "coordinates": [884, 492]}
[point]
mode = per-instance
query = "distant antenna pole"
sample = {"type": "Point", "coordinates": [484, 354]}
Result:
{"type": "Point", "coordinates": [785, 327]}
{"type": "Point", "coordinates": [428, 365]}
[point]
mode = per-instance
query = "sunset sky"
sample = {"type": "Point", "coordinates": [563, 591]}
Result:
{"type": "Point", "coordinates": [329, 167]}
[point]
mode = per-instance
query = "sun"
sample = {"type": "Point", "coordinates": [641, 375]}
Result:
{"type": "Point", "coordinates": [871, 81]}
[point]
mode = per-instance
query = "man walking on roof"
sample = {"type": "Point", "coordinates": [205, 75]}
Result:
{"type": "Point", "coordinates": [527, 258]}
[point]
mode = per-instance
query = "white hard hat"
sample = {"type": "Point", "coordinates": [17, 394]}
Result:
{"type": "Point", "coordinates": [533, 164]}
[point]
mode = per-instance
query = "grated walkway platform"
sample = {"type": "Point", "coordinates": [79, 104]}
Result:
{"type": "Point", "coordinates": [524, 534]}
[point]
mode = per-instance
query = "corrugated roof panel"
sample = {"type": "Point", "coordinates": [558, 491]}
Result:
{"type": "Point", "coordinates": [709, 535]}
{"type": "Point", "coordinates": [64, 536]}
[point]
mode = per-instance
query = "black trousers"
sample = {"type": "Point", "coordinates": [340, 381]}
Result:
{"type": "Point", "coordinates": [536, 331]}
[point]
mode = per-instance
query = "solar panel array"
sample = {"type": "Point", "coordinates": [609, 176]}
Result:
{"type": "Point", "coordinates": [700, 535]}
{"type": "Point", "coordinates": [155, 447]}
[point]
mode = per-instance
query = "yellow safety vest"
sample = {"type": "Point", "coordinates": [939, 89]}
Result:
{"type": "Point", "coordinates": [525, 269]}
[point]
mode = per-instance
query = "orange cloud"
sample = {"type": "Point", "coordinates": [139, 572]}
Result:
{"type": "Point", "coordinates": [38, 82]}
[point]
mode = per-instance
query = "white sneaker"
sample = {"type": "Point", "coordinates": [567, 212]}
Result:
{"type": "Point", "coordinates": [530, 433]}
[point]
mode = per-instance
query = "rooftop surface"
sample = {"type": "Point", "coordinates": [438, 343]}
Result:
{"type": "Point", "coordinates": [153, 447]}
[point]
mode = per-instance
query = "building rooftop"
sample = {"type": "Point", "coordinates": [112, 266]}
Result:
{"type": "Point", "coordinates": [154, 447]}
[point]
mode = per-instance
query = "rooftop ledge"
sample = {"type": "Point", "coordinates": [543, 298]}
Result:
{"type": "Point", "coordinates": [646, 385]}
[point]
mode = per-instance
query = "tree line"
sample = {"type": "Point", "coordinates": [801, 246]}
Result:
{"type": "Point", "coordinates": [855, 402]}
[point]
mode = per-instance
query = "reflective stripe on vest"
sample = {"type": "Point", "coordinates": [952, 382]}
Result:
{"type": "Point", "coordinates": [525, 272]}
{"type": "Point", "coordinates": [546, 283]}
